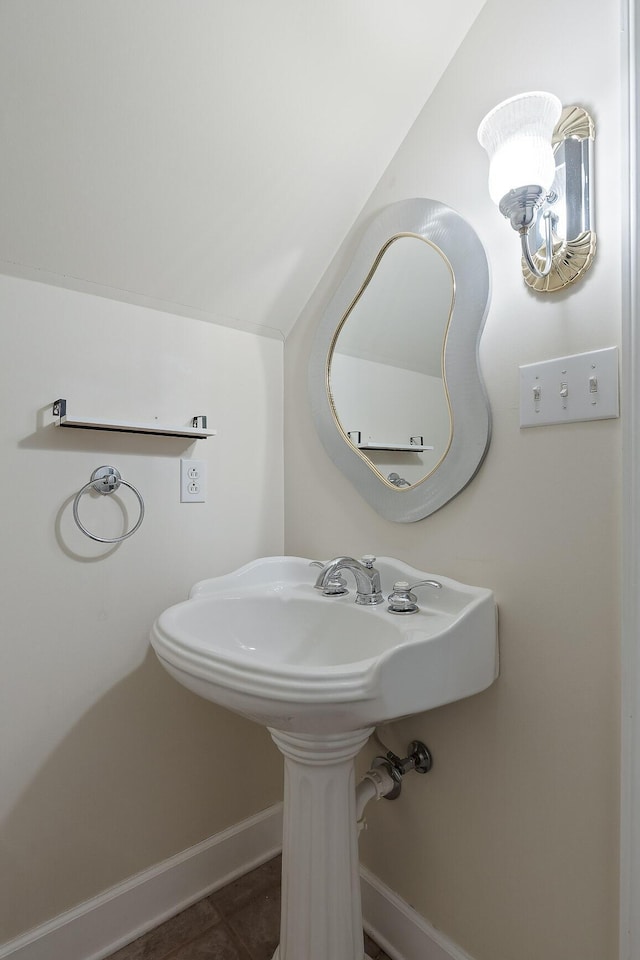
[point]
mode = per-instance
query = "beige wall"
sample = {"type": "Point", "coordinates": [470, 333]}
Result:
{"type": "Point", "coordinates": [510, 844]}
{"type": "Point", "coordinates": [108, 765]}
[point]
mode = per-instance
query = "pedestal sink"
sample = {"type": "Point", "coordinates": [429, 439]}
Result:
{"type": "Point", "coordinates": [321, 672]}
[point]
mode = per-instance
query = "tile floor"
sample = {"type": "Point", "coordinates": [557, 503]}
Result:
{"type": "Point", "coordinates": [239, 922]}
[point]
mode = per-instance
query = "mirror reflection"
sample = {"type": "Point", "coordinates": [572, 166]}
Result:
{"type": "Point", "coordinates": [385, 371]}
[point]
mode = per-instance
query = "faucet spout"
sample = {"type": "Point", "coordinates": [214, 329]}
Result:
{"type": "Point", "coordinates": [366, 576]}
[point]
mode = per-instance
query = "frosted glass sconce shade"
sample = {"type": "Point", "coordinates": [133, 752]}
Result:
{"type": "Point", "coordinates": [517, 137]}
{"type": "Point", "coordinates": [540, 163]}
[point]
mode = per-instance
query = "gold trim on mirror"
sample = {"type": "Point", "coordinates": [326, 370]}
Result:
{"type": "Point", "coordinates": [394, 487]}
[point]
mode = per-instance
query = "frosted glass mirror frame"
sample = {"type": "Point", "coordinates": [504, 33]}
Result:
{"type": "Point", "coordinates": [459, 244]}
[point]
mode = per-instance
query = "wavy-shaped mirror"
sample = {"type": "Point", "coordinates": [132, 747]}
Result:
{"type": "Point", "coordinates": [396, 389]}
{"type": "Point", "coordinates": [386, 376]}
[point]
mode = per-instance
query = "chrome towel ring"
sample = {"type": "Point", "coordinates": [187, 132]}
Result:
{"type": "Point", "coordinates": [106, 480]}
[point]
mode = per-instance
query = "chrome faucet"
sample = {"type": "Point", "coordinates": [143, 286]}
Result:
{"type": "Point", "coordinates": [367, 578]}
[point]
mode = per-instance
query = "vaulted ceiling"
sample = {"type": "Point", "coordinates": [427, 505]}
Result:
{"type": "Point", "coordinates": [206, 156]}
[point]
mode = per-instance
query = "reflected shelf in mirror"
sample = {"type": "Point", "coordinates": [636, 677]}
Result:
{"type": "Point", "coordinates": [416, 444]}
{"type": "Point", "coordinates": [400, 447]}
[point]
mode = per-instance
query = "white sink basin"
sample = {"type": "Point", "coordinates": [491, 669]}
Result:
{"type": "Point", "coordinates": [264, 642]}
{"type": "Point", "coordinates": [321, 672]}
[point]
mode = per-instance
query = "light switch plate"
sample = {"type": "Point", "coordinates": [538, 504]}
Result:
{"type": "Point", "coordinates": [568, 389]}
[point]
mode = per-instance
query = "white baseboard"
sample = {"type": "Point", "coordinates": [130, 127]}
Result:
{"type": "Point", "coordinates": [398, 929]}
{"type": "Point", "coordinates": [98, 927]}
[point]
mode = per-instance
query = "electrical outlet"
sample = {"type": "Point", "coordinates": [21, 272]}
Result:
{"type": "Point", "coordinates": [193, 481]}
{"type": "Point", "coordinates": [569, 389]}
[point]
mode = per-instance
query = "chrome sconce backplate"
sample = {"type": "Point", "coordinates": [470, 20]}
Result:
{"type": "Point", "coordinates": [570, 203]}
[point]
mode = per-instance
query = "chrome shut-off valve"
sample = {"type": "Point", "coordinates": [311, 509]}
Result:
{"type": "Point", "coordinates": [419, 759]}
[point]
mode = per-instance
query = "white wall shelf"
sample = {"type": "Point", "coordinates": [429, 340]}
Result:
{"type": "Point", "coordinates": [197, 430]}
{"type": "Point", "coordinates": [403, 447]}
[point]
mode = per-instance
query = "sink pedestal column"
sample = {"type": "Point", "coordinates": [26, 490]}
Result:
{"type": "Point", "coordinates": [321, 907]}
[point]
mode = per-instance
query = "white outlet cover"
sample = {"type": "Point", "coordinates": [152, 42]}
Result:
{"type": "Point", "coordinates": [570, 389]}
{"type": "Point", "coordinates": [193, 481]}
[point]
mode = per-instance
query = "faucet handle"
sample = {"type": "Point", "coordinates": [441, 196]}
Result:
{"type": "Point", "coordinates": [403, 600]}
{"type": "Point", "coordinates": [336, 586]}
{"type": "Point", "coordinates": [426, 583]}
{"type": "Point", "coordinates": [368, 560]}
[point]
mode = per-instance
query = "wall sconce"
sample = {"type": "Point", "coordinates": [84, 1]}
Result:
{"type": "Point", "coordinates": [540, 161]}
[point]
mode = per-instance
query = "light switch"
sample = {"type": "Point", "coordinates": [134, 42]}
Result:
{"type": "Point", "coordinates": [567, 389]}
